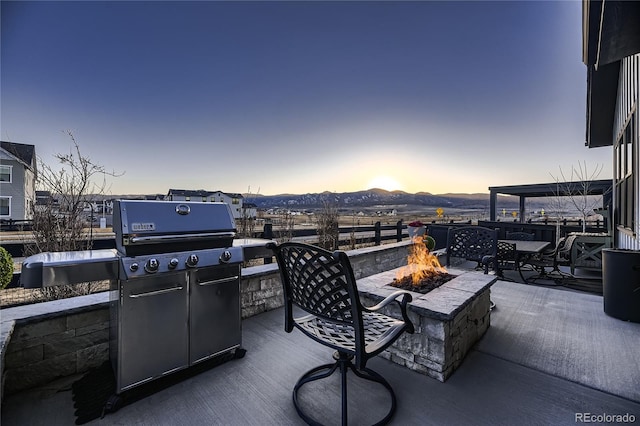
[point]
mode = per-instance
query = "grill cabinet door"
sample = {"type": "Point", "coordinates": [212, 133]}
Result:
{"type": "Point", "coordinates": [215, 311]}
{"type": "Point", "coordinates": [153, 328]}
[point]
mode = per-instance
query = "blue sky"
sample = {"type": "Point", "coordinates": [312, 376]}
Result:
{"type": "Point", "coordinates": [296, 97]}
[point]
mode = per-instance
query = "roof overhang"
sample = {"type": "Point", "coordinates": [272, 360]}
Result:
{"type": "Point", "coordinates": [610, 32]}
{"type": "Point", "coordinates": [602, 92]}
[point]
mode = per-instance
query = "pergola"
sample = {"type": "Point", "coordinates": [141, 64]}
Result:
{"type": "Point", "coordinates": [554, 189]}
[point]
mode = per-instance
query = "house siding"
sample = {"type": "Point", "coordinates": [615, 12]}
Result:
{"type": "Point", "coordinates": [15, 189]}
{"type": "Point", "coordinates": [627, 104]}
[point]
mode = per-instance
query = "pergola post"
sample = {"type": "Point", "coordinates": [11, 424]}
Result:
{"type": "Point", "coordinates": [522, 200]}
{"type": "Point", "coordinates": [493, 195]}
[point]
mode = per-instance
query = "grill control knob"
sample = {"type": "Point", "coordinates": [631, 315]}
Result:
{"type": "Point", "coordinates": [133, 267]}
{"type": "Point", "coordinates": [173, 263]}
{"type": "Point", "coordinates": [192, 260]}
{"type": "Point", "coordinates": [152, 265]}
{"type": "Point", "coordinates": [225, 257]}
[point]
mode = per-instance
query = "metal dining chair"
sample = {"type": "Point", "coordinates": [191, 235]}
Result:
{"type": "Point", "coordinates": [473, 243]}
{"type": "Point", "coordinates": [322, 284]}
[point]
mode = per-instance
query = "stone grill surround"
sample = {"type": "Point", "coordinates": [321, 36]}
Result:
{"type": "Point", "coordinates": [46, 341]}
{"type": "Point", "coordinates": [448, 320]}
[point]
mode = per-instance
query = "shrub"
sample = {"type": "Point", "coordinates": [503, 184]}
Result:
{"type": "Point", "coordinates": [430, 242]}
{"type": "Point", "coordinates": [6, 268]}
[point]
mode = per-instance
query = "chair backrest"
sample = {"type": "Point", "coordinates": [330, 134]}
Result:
{"type": "Point", "coordinates": [520, 236]}
{"type": "Point", "coordinates": [506, 254]}
{"type": "Point", "coordinates": [563, 249]}
{"type": "Point", "coordinates": [471, 243]}
{"type": "Point", "coordinates": [321, 283]}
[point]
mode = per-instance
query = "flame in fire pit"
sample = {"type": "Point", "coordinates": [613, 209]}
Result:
{"type": "Point", "coordinates": [421, 264]}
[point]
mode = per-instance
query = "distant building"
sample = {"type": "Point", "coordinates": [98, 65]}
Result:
{"type": "Point", "coordinates": [18, 174]}
{"type": "Point", "coordinates": [44, 201]}
{"type": "Point", "coordinates": [235, 201]}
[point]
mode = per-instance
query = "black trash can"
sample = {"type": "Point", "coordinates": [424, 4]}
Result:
{"type": "Point", "coordinates": [621, 283]}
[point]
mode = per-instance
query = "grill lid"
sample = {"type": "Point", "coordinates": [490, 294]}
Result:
{"type": "Point", "coordinates": [143, 226]}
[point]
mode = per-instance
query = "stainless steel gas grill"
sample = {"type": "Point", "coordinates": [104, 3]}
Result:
{"type": "Point", "coordinates": [177, 299]}
{"type": "Point", "coordinates": [175, 292]}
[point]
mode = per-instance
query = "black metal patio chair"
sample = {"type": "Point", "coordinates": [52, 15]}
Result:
{"type": "Point", "coordinates": [322, 284]}
{"type": "Point", "coordinates": [553, 258]}
{"type": "Point", "coordinates": [473, 243]}
{"type": "Point", "coordinates": [506, 259]}
{"type": "Point", "coordinates": [476, 244]}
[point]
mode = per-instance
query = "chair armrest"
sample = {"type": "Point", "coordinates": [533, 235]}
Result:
{"type": "Point", "coordinates": [486, 261]}
{"type": "Point", "coordinates": [393, 297]}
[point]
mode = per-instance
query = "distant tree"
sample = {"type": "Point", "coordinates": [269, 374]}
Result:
{"type": "Point", "coordinates": [557, 206]}
{"type": "Point", "coordinates": [286, 225]}
{"type": "Point", "coordinates": [579, 194]}
{"type": "Point", "coordinates": [247, 220]}
{"type": "Point", "coordinates": [328, 232]}
{"type": "Point", "coordinates": [60, 223]}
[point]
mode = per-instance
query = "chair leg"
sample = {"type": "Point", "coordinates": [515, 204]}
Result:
{"type": "Point", "coordinates": [343, 363]}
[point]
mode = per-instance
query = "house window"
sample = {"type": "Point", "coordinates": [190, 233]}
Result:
{"type": "Point", "coordinates": [204, 199]}
{"type": "Point", "coordinates": [626, 170]}
{"type": "Point", "coordinates": [5, 206]}
{"type": "Point", "coordinates": [5, 173]}
{"type": "Point", "coordinates": [187, 198]}
{"type": "Point", "coordinates": [235, 201]}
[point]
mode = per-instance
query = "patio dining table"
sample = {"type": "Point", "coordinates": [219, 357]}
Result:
{"type": "Point", "coordinates": [525, 249]}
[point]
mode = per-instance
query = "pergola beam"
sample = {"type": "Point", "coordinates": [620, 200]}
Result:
{"type": "Point", "coordinates": [595, 187]}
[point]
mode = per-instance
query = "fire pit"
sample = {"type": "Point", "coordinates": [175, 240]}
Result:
{"type": "Point", "coordinates": [423, 272]}
{"type": "Point", "coordinates": [449, 319]}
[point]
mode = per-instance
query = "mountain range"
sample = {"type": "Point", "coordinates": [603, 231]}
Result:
{"type": "Point", "coordinates": [376, 197]}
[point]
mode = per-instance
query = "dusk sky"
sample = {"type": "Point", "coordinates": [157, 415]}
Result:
{"type": "Point", "coordinates": [297, 97]}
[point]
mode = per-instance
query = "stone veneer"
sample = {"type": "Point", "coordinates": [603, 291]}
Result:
{"type": "Point", "coordinates": [448, 320]}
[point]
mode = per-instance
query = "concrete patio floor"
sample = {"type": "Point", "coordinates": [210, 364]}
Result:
{"type": "Point", "coordinates": [550, 356]}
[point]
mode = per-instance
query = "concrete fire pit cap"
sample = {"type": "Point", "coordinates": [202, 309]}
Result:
{"type": "Point", "coordinates": [442, 303]}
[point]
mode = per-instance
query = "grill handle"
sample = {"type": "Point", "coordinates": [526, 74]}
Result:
{"type": "Point", "coordinates": [219, 281]}
{"type": "Point", "coordinates": [155, 293]}
{"type": "Point", "coordinates": [151, 239]}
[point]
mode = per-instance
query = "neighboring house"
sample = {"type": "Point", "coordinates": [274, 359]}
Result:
{"type": "Point", "coordinates": [235, 201]}
{"type": "Point", "coordinates": [250, 210]}
{"type": "Point", "coordinates": [18, 174]}
{"type": "Point", "coordinates": [611, 52]}
{"type": "Point", "coordinates": [45, 200]}
{"type": "Point", "coordinates": [99, 206]}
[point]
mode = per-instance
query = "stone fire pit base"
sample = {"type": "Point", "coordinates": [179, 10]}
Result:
{"type": "Point", "coordinates": [448, 320]}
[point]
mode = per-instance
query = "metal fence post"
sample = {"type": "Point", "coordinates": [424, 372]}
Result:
{"type": "Point", "coordinates": [399, 231]}
{"type": "Point", "coordinates": [267, 232]}
{"type": "Point", "coordinates": [378, 233]}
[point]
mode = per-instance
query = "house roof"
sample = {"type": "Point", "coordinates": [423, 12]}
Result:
{"type": "Point", "coordinates": [610, 32]}
{"type": "Point", "coordinates": [200, 193]}
{"type": "Point", "coordinates": [24, 153]}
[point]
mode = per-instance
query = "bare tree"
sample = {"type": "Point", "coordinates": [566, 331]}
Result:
{"type": "Point", "coordinates": [557, 206]}
{"type": "Point", "coordinates": [328, 232]}
{"type": "Point", "coordinates": [577, 186]}
{"type": "Point", "coordinates": [60, 223]}
{"type": "Point", "coordinates": [286, 225]}
{"type": "Point", "coordinates": [247, 219]}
